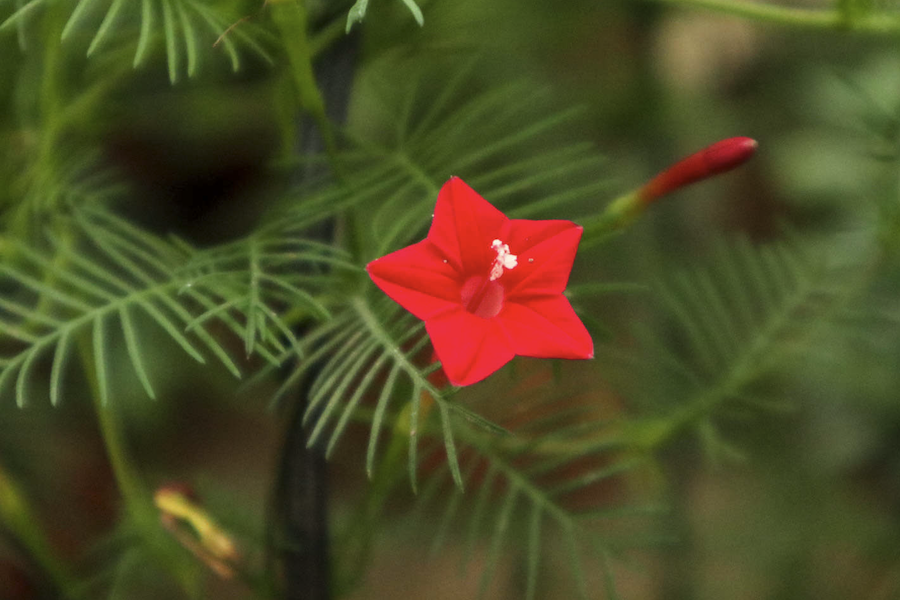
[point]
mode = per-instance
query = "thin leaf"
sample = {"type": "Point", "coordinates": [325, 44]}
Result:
{"type": "Point", "coordinates": [7, 370]}
{"type": "Point", "coordinates": [479, 510]}
{"type": "Point", "coordinates": [476, 419]}
{"type": "Point", "coordinates": [760, 283]}
{"type": "Point", "coordinates": [551, 203]}
{"type": "Point", "coordinates": [214, 346]}
{"type": "Point", "coordinates": [415, 402]}
{"type": "Point", "coordinates": [171, 33]}
{"type": "Point", "coordinates": [437, 106]}
{"type": "Point", "coordinates": [146, 28]}
{"type": "Point", "coordinates": [575, 562]}
{"type": "Point", "coordinates": [581, 290]}
{"type": "Point", "coordinates": [312, 360]}
{"type": "Point", "coordinates": [46, 290]}
{"type": "Point", "coordinates": [534, 551]}
{"type": "Point", "coordinates": [450, 511]}
{"type": "Point", "coordinates": [380, 407]}
{"type": "Point", "coordinates": [22, 379]}
{"type": "Point", "coordinates": [353, 402]}
{"type": "Point", "coordinates": [702, 307]}
{"type": "Point", "coordinates": [348, 375]}
{"type": "Point", "coordinates": [19, 15]}
{"type": "Point", "coordinates": [318, 310]}
{"type": "Point", "coordinates": [694, 331]}
{"type": "Point", "coordinates": [119, 285]}
{"type": "Point", "coordinates": [17, 333]}
{"type": "Point", "coordinates": [531, 166]}
{"type": "Point", "coordinates": [166, 324]}
{"type": "Point", "coordinates": [56, 371]}
{"type": "Point", "coordinates": [450, 445]}
{"type": "Point", "coordinates": [224, 36]}
{"type": "Point", "coordinates": [214, 311]}
{"type": "Point", "coordinates": [501, 526]}
{"type": "Point", "coordinates": [190, 39]}
{"type": "Point", "coordinates": [356, 14]}
{"type": "Point", "coordinates": [134, 352]}
{"type": "Point", "coordinates": [105, 25]}
{"type": "Point", "coordinates": [330, 374]}
{"type": "Point", "coordinates": [415, 10]}
{"type": "Point", "coordinates": [514, 137]}
{"type": "Point", "coordinates": [281, 326]}
{"type": "Point", "coordinates": [20, 29]}
{"type": "Point", "coordinates": [593, 477]}
{"type": "Point", "coordinates": [100, 360]}
{"type": "Point", "coordinates": [609, 582]}
{"type": "Point", "coordinates": [80, 10]}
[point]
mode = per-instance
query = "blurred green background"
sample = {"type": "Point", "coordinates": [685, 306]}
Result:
{"type": "Point", "coordinates": [810, 507]}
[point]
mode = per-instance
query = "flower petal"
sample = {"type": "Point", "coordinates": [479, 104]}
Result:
{"type": "Point", "coordinates": [418, 279]}
{"type": "Point", "coordinates": [464, 226]}
{"type": "Point", "coordinates": [470, 348]}
{"type": "Point", "coordinates": [544, 266]}
{"type": "Point", "coordinates": [545, 327]}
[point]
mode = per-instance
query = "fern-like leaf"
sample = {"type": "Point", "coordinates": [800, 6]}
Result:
{"type": "Point", "coordinates": [108, 279]}
{"type": "Point", "coordinates": [185, 26]}
{"type": "Point", "coordinates": [377, 351]}
{"type": "Point", "coordinates": [439, 129]}
{"type": "Point", "coordinates": [357, 13]}
{"type": "Point", "coordinates": [553, 477]}
{"type": "Point", "coordinates": [736, 322]}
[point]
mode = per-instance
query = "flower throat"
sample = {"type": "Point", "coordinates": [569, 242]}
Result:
{"type": "Point", "coordinates": [483, 296]}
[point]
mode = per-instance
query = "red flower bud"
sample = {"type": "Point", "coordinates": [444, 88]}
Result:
{"type": "Point", "coordinates": [718, 158]}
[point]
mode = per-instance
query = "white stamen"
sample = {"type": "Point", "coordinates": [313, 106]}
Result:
{"type": "Point", "coordinates": [504, 259]}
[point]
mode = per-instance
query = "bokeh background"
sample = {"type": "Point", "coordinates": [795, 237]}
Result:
{"type": "Point", "coordinates": [806, 506]}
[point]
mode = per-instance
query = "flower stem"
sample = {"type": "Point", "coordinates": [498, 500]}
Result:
{"type": "Point", "coordinates": [800, 18]}
{"type": "Point", "coordinates": [290, 18]}
{"type": "Point", "coordinates": [139, 506]}
{"type": "Point", "coordinates": [137, 500]}
{"type": "Point", "coordinates": [17, 517]}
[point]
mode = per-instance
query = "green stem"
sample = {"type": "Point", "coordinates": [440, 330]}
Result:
{"type": "Point", "coordinates": [290, 18]}
{"type": "Point", "coordinates": [619, 214]}
{"type": "Point", "coordinates": [136, 497]}
{"type": "Point", "coordinates": [800, 18]}
{"type": "Point", "coordinates": [17, 517]}
{"type": "Point", "coordinates": [326, 36]}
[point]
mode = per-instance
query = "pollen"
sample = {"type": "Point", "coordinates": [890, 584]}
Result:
{"type": "Point", "coordinates": [504, 260]}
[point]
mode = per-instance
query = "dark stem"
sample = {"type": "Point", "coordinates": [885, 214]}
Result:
{"type": "Point", "coordinates": [298, 528]}
{"type": "Point", "coordinates": [301, 520]}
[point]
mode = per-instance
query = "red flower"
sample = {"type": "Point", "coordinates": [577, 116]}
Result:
{"type": "Point", "coordinates": [488, 287]}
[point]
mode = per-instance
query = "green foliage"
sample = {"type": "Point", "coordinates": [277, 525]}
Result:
{"type": "Point", "coordinates": [735, 324]}
{"type": "Point", "coordinates": [185, 27]}
{"type": "Point", "coordinates": [108, 274]}
{"type": "Point", "coordinates": [358, 12]}
{"type": "Point", "coordinates": [531, 490]}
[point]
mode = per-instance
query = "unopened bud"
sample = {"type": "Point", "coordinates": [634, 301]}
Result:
{"type": "Point", "coordinates": [624, 210]}
{"type": "Point", "coordinates": [718, 158]}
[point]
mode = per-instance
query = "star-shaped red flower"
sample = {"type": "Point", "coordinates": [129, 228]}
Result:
{"type": "Point", "coordinates": [488, 287]}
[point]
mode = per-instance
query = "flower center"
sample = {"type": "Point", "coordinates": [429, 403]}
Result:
{"type": "Point", "coordinates": [483, 296]}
